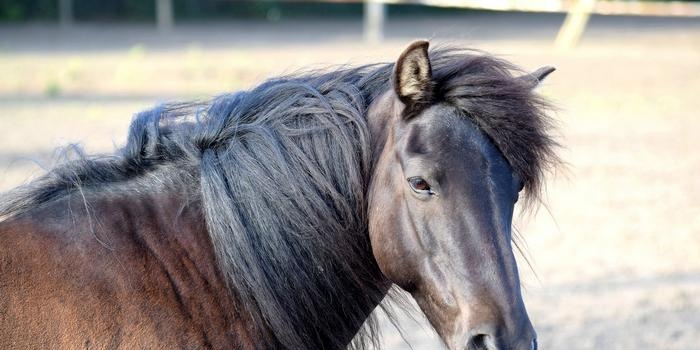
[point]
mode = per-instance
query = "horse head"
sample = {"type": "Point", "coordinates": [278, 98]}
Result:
{"type": "Point", "coordinates": [442, 198]}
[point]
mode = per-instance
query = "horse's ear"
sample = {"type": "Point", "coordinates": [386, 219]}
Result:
{"type": "Point", "coordinates": [413, 76]}
{"type": "Point", "coordinates": [535, 78]}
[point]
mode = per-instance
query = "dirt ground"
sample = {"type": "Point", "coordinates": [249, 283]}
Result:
{"type": "Point", "coordinates": [616, 249]}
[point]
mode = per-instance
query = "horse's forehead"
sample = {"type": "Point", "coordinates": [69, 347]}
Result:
{"type": "Point", "coordinates": [443, 129]}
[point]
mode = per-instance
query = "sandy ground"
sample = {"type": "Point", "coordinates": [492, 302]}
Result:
{"type": "Point", "coordinates": [616, 250]}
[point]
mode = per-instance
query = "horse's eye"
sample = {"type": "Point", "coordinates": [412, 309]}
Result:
{"type": "Point", "coordinates": [419, 185]}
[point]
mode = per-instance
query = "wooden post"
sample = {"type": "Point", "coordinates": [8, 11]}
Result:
{"type": "Point", "coordinates": [164, 15]}
{"type": "Point", "coordinates": [374, 21]}
{"type": "Point", "coordinates": [574, 25]}
{"type": "Point", "coordinates": [65, 13]}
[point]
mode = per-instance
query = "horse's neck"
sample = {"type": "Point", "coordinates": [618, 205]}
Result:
{"type": "Point", "coordinates": [175, 231]}
{"type": "Point", "coordinates": [172, 230]}
{"type": "Point", "coordinates": [380, 118]}
{"type": "Point", "coordinates": [143, 258]}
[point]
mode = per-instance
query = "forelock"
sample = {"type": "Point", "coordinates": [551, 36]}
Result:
{"type": "Point", "coordinates": [514, 117]}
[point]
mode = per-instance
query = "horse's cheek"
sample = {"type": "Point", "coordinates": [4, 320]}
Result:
{"type": "Point", "coordinates": [390, 251]}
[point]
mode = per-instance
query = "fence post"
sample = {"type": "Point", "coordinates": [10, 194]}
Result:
{"type": "Point", "coordinates": [374, 13]}
{"type": "Point", "coordinates": [574, 25]}
{"type": "Point", "coordinates": [164, 15]}
{"type": "Point", "coordinates": [65, 13]}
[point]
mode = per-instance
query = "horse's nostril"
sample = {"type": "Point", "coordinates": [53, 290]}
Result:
{"type": "Point", "coordinates": [534, 344]}
{"type": "Point", "coordinates": [478, 342]}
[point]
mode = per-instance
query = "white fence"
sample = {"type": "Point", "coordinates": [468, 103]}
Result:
{"type": "Point", "coordinates": [573, 27]}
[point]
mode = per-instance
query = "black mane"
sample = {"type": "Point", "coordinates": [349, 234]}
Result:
{"type": "Point", "coordinates": [281, 171]}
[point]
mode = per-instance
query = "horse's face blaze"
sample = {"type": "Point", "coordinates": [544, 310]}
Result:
{"type": "Point", "coordinates": [441, 205]}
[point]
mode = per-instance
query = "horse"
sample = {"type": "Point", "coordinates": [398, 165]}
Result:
{"type": "Point", "coordinates": [280, 217]}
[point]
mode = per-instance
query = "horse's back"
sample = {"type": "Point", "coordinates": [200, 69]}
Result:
{"type": "Point", "coordinates": [131, 274]}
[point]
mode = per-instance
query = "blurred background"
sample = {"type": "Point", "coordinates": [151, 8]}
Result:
{"type": "Point", "coordinates": [615, 250]}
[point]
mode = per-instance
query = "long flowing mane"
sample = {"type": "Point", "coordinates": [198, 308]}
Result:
{"type": "Point", "coordinates": [280, 174]}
